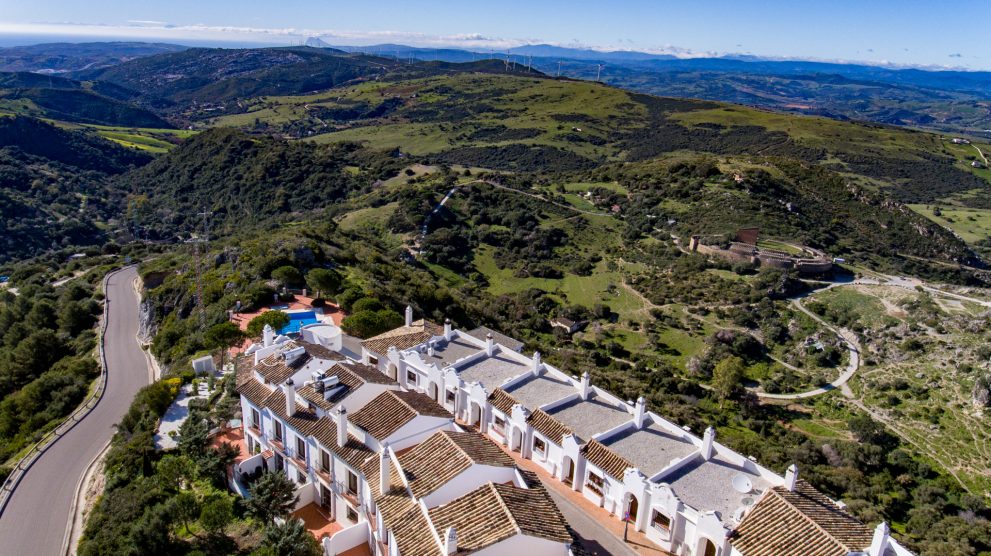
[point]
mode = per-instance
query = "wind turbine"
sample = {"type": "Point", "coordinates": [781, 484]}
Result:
{"type": "Point", "coordinates": [598, 72]}
{"type": "Point", "coordinates": [559, 62]}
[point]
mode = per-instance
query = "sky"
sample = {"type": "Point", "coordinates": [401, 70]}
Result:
{"type": "Point", "coordinates": [886, 32]}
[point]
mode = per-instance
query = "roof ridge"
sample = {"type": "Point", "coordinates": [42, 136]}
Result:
{"type": "Point", "coordinates": [809, 519]}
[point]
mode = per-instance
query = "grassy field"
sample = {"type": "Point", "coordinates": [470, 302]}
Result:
{"type": "Point", "coordinates": [972, 225]}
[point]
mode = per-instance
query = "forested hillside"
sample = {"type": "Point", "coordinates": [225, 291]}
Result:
{"type": "Point", "coordinates": [53, 186]}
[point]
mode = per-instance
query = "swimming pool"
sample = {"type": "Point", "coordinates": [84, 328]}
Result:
{"type": "Point", "coordinates": [297, 321]}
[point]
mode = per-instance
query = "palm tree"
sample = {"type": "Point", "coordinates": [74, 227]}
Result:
{"type": "Point", "coordinates": [290, 538]}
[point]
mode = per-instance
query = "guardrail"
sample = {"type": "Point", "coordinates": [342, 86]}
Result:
{"type": "Point", "coordinates": [46, 441]}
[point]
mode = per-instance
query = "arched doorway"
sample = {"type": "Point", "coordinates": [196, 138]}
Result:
{"type": "Point", "coordinates": [708, 549]}
{"type": "Point", "coordinates": [516, 444]}
{"type": "Point", "coordinates": [475, 416]}
{"type": "Point", "coordinates": [393, 371]}
{"type": "Point", "coordinates": [568, 471]}
{"type": "Point", "coordinates": [632, 507]}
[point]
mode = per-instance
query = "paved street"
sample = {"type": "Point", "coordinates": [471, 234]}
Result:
{"type": "Point", "coordinates": [37, 516]}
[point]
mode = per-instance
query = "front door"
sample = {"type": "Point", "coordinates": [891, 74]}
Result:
{"type": "Point", "coordinates": [710, 549]}
{"type": "Point", "coordinates": [324, 496]}
{"type": "Point", "coordinates": [632, 508]}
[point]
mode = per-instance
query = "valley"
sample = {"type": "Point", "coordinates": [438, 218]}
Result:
{"type": "Point", "coordinates": [523, 202]}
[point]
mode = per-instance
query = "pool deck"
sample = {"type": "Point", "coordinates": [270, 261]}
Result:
{"type": "Point", "coordinates": [331, 312]}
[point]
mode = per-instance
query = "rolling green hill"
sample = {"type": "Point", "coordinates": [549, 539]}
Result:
{"type": "Point", "coordinates": [57, 98]}
{"type": "Point", "coordinates": [54, 189]}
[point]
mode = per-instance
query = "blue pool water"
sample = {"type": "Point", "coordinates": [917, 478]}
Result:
{"type": "Point", "coordinates": [297, 321]}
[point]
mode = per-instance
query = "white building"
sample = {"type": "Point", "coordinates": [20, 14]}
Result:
{"type": "Point", "coordinates": [382, 444]}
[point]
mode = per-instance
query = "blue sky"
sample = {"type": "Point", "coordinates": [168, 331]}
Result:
{"type": "Point", "coordinates": [906, 32]}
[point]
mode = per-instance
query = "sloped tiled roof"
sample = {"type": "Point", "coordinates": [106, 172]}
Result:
{"type": "Point", "coordinates": [403, 337]}
{"type": "Point", "coordinates": [389, 411]}
{"type": "Point", "coordinates": [502, 401]}
{"type": "Point", "coordinates": [548, 426]}
{"type": "Point", "coordinates": [495, 512]}
{"type": "Point", "coordinates": [412, 531]}
{"type": "Point", "coordinates": [352, 375]}
{"type": "Point", "coordinates": [605, 459]}
{"type": "Point", "coordinates": [782, 520]}
{"type": "Point", "coordinates": [444, 456]}
{"type": "Point", "coordinates": [274, 367]}
{"type": "Point", "coordinates": [254, 391]}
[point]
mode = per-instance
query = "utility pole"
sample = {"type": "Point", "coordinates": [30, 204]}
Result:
{"type": "Point", "coordinates": [199, 273]}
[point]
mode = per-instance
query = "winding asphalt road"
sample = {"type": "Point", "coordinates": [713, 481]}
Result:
{"type": "Point", "coordinates": [37, 516]}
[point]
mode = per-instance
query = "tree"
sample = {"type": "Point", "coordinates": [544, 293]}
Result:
{"type": "Point", "coordinates": [194, 436]}
{"type": "Point", "coordinates": [276, 319]}
{"type": "Point", "coordinates": [216, 512]}
{"type": "Point", "coordinates": [175, 472]}
{"type": "Point", "coordinates": [369, 323]}
{"type": "Point", "coordinates": [323, 280]}
{"type": "Point", "coordinates": [184, 508]}
{"type": "Point", "coordinates": [727, 376]}
{"type": "Point", "coordinates": [291, 538]}
{"type": "Point", "coordinates": [287, 275]}
{"type": "Point", "coordinates": [273, 495]}
{"type": "Point", "coordinates": [223, 336]}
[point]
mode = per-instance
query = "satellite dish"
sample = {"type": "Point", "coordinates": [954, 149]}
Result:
{"type": "Point", "coordinates": [741, 484]}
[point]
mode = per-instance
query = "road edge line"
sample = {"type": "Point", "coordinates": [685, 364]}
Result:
{"type": "Point", "coordinates": [70, 530]}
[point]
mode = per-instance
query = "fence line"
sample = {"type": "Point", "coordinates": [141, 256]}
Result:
{"type": "Point", "coordinates": [46, 441]}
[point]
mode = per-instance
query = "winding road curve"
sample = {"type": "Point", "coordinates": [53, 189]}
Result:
{"type": "Point", "coordinates": [37, 517]}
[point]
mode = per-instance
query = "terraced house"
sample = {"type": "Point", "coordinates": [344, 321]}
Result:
{"type": "Point", "coordinates": [442, 441]}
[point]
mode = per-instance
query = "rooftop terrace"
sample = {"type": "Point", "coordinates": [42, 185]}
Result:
{"type": "Point", "coordinates": [715, 485]}
{"type": "Point", "coordinates": [492, 371]}
{"type": "Point", "coordinates": [447, 353]}
{"type": "Point", "coordinates": [589, 417]}
{"type": "Point", "coordinates": [534, 392]}
{"type": "Point", "coordinates": [650, 449]}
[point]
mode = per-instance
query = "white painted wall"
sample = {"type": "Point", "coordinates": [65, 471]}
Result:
{"type": "Point", "coordinates": [469, 480]}
{"type": "Point", "coordinates": [524, 545]}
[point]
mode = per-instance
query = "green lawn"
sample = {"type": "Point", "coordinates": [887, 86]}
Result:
{"type": "Point", "coordinates": [972, 225]}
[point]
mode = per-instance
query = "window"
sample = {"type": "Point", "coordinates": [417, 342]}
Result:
{"type": "Point", "coordinates": [594, 483]}
{"type": "Point", "coordinates": [352, 483]}
{"type": "Point", "coordinates": [500, 425]}
{"type": "Point", "coordinates": [278, 431]}
{"type": "Point", "coordinates": [450, 397]}
{"type": "Point", "coordinates": [660, 521]}
{"type": "Point", "coordinates": [372, 360]}
{"type": "Point", "coordinates": [255, 418]}
{"type": "Point", "coordinates": [352, 515]}
{"type": "Point", "coordinates": [539, 446]}
{"type": "Point", "coordinates": [325, 461]}
{"type": "Point", "coordinates": [300, 448]}
{"type": "Point", "coordinates": [300, 477]}
{"type": "Point", "coordinates": [411, 377]}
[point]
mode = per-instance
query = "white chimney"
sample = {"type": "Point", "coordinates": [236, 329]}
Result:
{"type": "Point", "coordinates": [342, 426]}
{"type": "Point", "coordinates": [451, 541]}
{"type": "Point", "coordinates": [640, 412]}
{"type": "Point", "coordinates": [791, 477]}
{"type": "Point", "coordinates": [385, 464]}
{"type": "Point", "coordinates": [489, 344]}
{"type": "Point", "coordinates": [880, 542]}
{"type": "Point", "coordinates": [268, 335]}
{"type": "Point", "coordinates": [409, 315]}
{"type": "Point", "coordinates": [289, 389]}
{"type": "Point", "coordinates": [447, 330]}
{"type": "Point", "coordinates": [430, 349]}
{"type": "Point", "coordinates": [708, 440]}
{"type": "Point", "coordinates": [536, 363]}
{"type": "Point", "coordinates": [586, 385]}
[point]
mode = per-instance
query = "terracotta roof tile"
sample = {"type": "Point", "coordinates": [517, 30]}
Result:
{"type": "Point", "coordinates": [389, 411]}
{"type": "Point", "coordinates": [496, 512]}
{"type": "Point", "coordinates": [403, 337]}
{"type": "Point", "coordinates": [605, 459]}
{"type": "Point", "coordinates": [413, 533]}
{"type": "Point", "coordinates": [445, 455]}
{"type": "Point", "coordinates": [548, 426]}
{"type": "Point", "coordinates": [783, 519]}
{"type": "Point", "coordinates": [502, 401]}
{"type": "Point", "coordinates": [248, 387]}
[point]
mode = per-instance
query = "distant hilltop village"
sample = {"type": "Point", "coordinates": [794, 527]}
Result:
{"type": "Point", "coordinates": [429, 439]}
{"type": "Point", "coordinates": [744, 248]}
